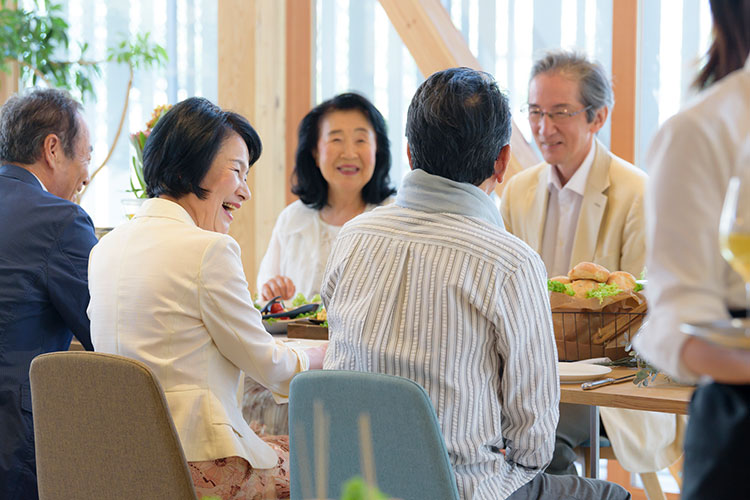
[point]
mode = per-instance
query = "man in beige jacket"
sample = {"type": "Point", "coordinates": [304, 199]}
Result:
{"type": "Point", "coordinates": [585, 204]}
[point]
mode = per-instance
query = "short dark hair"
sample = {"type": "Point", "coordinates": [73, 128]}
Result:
{"type": "Point", "coordinates": [457, 123]}
{"type": "Point", "coordinates": [27, 119]}
{"type": "Point", "coordinates": [181, 147]}
{"type": "Point", "coordinates": [307, 181]}
{"type": "Point", "coordinates": [731, 45]}
{"type": "Point", "coordinates": [594, 87]}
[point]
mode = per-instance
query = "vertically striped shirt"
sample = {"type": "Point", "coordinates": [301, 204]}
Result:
{"type": "Point", "coordinates": [460, 306]}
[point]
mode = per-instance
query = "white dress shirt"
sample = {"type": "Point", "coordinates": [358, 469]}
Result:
{"type": "Point", "coordinates": [459, 305]}
{"type": "Point", "coordinates": [691, 160]}
{"type": "Point", "coordinates": [563, 210]}
{"type": "Point", "coordinates": [174, 296]}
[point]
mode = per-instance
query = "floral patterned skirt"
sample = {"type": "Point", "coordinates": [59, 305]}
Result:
{"type": "Point", "coordinates": [233, 478]}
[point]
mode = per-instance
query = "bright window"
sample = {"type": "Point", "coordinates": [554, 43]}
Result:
{"type": "Point", "coordinates": [187, 29]}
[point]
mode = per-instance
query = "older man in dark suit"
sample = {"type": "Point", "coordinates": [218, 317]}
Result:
{"type": "Point", "coordinates": [45, 241]}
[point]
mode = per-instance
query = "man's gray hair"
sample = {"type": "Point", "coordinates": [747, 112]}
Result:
{"type": "Point", "coordinates": [27, 119]}
{"type": "Point", "coordinates": [595, 89]}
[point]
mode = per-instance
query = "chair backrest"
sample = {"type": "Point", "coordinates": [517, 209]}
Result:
{"type": "Point", "coordinates": [411, 462]}
{"type": "Point", "coordinates": [103, 430]}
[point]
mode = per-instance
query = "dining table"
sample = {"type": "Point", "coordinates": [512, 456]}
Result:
{"type": "Point", "coordinates": [661, 395]}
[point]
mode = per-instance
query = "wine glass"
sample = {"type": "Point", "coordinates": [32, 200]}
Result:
{"type": "Point", "coordinates": [734, 229]}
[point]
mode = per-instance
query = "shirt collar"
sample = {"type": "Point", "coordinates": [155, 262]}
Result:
{"type": "Point", "coordinates": [577, 183]}
{"type": "Point", "coordinates": [40, 181]}
{"type": "Point", "coordinates": [435, 194]}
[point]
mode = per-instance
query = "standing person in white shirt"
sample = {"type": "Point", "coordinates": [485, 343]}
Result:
{"type": "Point", "coordinates": [691, 161]}
{"type": "Point", "coordinates": [168, 289]}
{"type": "Point", "coordinates": [585, 204]}
{"type": "Point", "coordinates": [434, 289]}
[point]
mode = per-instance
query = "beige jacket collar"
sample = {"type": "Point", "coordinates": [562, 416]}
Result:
{"type": "Point", "coordinates": [159, 207]}
{"type": "Point", "coordinates": [592, 208]}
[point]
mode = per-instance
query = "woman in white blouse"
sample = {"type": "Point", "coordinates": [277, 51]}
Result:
{"type": "Point", "coordinates": [168, 289]}
{"type": "Point", "coordinates": [341, 170]}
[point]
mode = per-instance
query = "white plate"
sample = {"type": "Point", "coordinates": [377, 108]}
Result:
{"type": "Point", "coordinates": [581, 372]}
{"type": "Point", "coordinates": [305, 343]}
{"type": "Point", "coordinates": [732, 333]}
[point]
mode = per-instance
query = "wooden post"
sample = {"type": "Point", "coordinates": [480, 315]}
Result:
{"type": "Point", "coordinates": [299, 74]}
{"type": "Point", "coordinates": [251, 46]}
{"type": "Point", "coordinates": [9, 82]}
{"type": "Point", "coordinates": [624, 64]}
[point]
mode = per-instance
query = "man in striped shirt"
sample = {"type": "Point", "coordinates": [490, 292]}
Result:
{"type": "Point", "coordinates": [434, 289]}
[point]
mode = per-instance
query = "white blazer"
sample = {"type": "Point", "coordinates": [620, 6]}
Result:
{"type": "Point", "coordinates": [174, 296]}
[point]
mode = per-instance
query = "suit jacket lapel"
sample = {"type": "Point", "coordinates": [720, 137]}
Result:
{"type": "Point", "coordinates": [537, 214]}
{"type": "Point", "coordinates": [592, 208]}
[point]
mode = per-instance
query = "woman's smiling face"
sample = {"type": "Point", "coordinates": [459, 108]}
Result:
{"type": "Point", "coordinates": [226, 183]}
{"type": "Point", "coordinates": [346, 149]}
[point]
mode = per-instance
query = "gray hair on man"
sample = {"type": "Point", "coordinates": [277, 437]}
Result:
{"type": "Point", "coordinates": [595, 89]}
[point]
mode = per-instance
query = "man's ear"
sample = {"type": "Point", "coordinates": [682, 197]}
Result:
{"type": "Point", "coordinates": [600, 118]}
{"type": "Point", "coordinates": [52, 150]}
{"type": "Point", "coordinates": [501, 164]}
{"type": "Point", "coordinates": [408, 155]}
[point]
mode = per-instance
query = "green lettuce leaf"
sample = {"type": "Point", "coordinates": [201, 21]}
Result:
{"type": "Point", "coordinates": [603, 291]}
{"type": "Point", "coordinates": [556, 286]}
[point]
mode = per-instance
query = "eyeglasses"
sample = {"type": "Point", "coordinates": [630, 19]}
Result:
{"type": "Point", "coordinates": [536, 114]}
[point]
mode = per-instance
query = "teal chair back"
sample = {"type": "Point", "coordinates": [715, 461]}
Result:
{"type": "Point", "coordinates": [411, 462]}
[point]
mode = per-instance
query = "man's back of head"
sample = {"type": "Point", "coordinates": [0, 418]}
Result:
{"type": "Point", "coordinates": [26, 119]}
{"type": "Point", "coordinates": [457, 123]}
{"type": "Point", "coordinates": [43, 131]}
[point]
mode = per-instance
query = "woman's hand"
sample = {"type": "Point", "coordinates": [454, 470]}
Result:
{"type": "Point", "coordinates": [278, 285]}
{"type": "Point", "coordinates": [316, 355]}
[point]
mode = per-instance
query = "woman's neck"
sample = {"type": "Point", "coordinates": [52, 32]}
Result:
{"type": "Point", "coordinates": [342, 207]}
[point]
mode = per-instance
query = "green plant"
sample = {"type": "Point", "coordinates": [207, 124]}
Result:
{"type": "Point", "coordinates": [35, 38]}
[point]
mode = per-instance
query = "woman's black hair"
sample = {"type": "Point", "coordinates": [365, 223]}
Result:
{"type": "Point", "coordinates": [731, 42]}
{"type": "Point", "coordinates": [307, 181]}
{"type": "Point", "coordinates": [179, 152]}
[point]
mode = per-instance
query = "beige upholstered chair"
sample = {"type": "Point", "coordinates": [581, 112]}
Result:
{"type": "Point", "coordinates": [103, 430]}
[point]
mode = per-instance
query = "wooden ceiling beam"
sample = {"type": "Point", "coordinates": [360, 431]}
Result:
{"type": "Point", "coordinates": [426, 29]}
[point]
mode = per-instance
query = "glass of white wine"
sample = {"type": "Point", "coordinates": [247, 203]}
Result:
{"type": "Point", "coordinates": [734, 229]}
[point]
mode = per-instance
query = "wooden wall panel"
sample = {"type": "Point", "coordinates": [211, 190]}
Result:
{"type": "Point", "coordinates": [9, 81]}
{"type": "Point", "coordinates": [251, 44]}
{"type": "Point", "coordinates": [299, 74]}
{"type": "Point", "coordinates": [624, 77]}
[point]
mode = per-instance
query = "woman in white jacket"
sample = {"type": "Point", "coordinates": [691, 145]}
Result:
{"type": "Point", "coordinates": [168, 289]}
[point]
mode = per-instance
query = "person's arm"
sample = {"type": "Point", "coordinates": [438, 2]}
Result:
{"type": "Point", "coordinates": [688, 280]}
{"type": "Point", "coordinates": [727, 366]}
{"type": "Point", "coordinates": [270, 282]}
{"type": "Point", "coordinates": [67, 274]}
{"type": "Point", "coordinates": [235, 325]}
{"type": "Point", "coordinates": [530, 387]}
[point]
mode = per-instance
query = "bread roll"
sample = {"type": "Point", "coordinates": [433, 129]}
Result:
{"type": "Point", "coordinates": [622, 279]}
{"type": "Point", "coordinates": [561, 279]}
{"type": "Point", "coordinates": [582, 287]}
{"type": "Point", "coordinates": [589, 271]}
